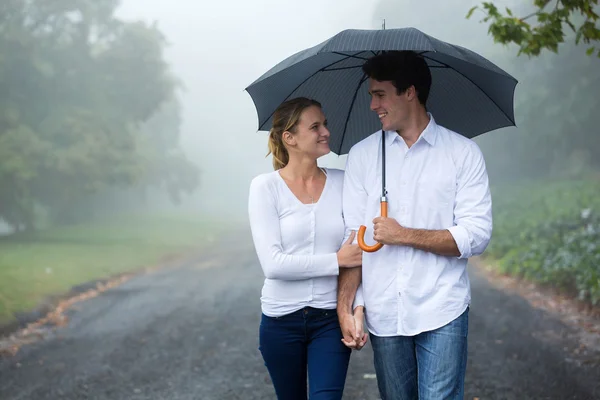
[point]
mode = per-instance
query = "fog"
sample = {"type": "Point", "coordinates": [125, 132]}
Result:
{"type": "Point", "coordinates": [219, 48]}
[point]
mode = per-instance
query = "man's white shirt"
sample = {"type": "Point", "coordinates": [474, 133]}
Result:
{"type": "Point", "coordinates": [440, 182]}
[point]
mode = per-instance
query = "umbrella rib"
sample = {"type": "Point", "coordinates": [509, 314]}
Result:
{"type": "Point", "coordinates": [476, 85]}
{"type": "Point", "coordinates": [364, 78]}
{"type": "Point", "coordinates": [301, 83]}
{"type": "Point", "coordinates": [350, 55]}
{"type": "Point", "coordinates": [346, 56]}
{"type": "Point", "coordinates": [342, 68]}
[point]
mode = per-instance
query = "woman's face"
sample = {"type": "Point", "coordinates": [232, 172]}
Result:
{"type": "Point", "coordinates": [312, 136]}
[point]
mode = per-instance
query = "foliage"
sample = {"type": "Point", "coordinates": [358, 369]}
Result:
{"type": "Point", "coordinates": [550, 233]}
{"type": "Point", "coordinates": [77, 88]}
{"type": "Point", "coordinates": [554, 18]}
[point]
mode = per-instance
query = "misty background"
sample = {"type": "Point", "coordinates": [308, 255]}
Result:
{"type": "Point", "coordinates": [207, 148]}
{"type": "Point", "coordinates": [219, 48]}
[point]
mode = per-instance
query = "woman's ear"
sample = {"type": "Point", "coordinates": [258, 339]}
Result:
{"type": "Point", "coordinates": [288, 138]}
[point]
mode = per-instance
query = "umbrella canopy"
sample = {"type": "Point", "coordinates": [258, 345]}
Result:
{"type": "Point", "coordinates": [469, 94]}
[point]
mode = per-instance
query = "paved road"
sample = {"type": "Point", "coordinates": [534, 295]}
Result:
{"type": "Point", "coordinates": [191, 333]}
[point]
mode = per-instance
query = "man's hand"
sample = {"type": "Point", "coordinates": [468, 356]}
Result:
{"type": "Point", "coordinates": [352, 329]}
{"type": "Point", "coordinates": [387, 230]}
{"type": "Point", "coordinates": [348, 326]}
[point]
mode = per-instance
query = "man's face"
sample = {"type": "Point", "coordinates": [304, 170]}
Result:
{"type": "Point", "coordinates": [391, 107]}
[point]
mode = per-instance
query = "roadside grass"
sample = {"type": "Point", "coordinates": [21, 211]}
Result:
{"type": "Point", "coordinates": [548, 232]}
{"type": "Point", "coordinates": [51, 262]}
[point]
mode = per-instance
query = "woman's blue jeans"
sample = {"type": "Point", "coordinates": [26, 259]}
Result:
{"type": "Point", "coordinates": [305, 343]}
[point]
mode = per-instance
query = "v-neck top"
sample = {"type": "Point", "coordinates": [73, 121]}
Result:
{"type": "Point", "coordinates": [296, 243]}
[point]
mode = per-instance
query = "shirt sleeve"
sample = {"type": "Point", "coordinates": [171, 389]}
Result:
{"type": "Point", "coordinates": [358, 298]}
{"type": "Point", "coordinates": [354, 194]}
{"type": "Point", "coordinates": [354, 202]}
{"type": "Point", "coordinates": [266, 234]}
{"type": "Point", "coordinates": [472, 228]}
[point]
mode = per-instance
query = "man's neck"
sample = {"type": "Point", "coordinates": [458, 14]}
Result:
{"type": "Point", "coordinates": [414, 127]}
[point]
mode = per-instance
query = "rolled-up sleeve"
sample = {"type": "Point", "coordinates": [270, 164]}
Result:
{"type": "Point", "coordinates": [472, 228]}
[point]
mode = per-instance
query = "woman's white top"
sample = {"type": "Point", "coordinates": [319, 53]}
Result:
{"type": "Point", "coordinates": [297, 243]}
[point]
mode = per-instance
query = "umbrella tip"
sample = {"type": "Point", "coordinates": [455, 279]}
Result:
{"type": "Point", "coordinates": [383, 25]}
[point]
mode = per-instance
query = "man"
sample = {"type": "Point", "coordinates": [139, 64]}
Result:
{"type": "Point", "coordinates": [416, 289]}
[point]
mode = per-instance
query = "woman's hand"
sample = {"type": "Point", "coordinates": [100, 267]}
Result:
{"type": "Point", "coordinates": [349, 255]}
{"type": "Point", "coordinates": [359, 318]}
{"type": "Point", "coordinates": [352, 327]}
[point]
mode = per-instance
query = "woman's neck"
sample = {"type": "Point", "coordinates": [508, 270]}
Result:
{"type": "Point", "coordinates": [301, 169]}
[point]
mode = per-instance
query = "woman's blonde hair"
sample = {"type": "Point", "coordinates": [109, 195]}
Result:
{"type": "Point", "coordinates": [285, 118]}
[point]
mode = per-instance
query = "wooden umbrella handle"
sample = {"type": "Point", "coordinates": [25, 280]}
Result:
{"type": "Point", "coordinates": [362, 229]}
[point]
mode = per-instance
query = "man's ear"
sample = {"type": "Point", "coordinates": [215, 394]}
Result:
{"type": "Point", "coordinates": [411, 93]}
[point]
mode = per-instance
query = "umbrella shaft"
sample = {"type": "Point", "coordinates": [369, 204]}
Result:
{"type": "Point", "coordinates": [383, 193]}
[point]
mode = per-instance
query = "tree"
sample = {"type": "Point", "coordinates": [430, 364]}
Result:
{"type": "Point", "coordinates": [554, 18]}
{"type": "Point", "coordinates": [77, 89]}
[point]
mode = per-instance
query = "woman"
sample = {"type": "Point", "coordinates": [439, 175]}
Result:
{"type": "Point", "coordinates": [298, 231]}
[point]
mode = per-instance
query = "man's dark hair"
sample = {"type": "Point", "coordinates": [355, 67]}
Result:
{"type": "Point", "coordinates": [404, 69]}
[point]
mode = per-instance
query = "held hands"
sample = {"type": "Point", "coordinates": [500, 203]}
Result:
{"type": "Point", "coordinates": [352, 327]}
{"type": "Point", "coordinates": [349, 255]}
{"type": "Point", "coordinates": [387, 231]}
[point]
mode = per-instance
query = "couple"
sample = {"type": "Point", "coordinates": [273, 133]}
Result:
{"type": "Point", "coordinates": [414, 291]}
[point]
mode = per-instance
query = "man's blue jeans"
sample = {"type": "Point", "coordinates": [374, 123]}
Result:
{"type": "Point", "coordinates": [308, 339]}
{"type": "Point", "coordinates": [428, 366]}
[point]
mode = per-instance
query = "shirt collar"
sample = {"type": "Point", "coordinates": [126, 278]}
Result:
{"type": "Point", "coordinates": [428, 134]}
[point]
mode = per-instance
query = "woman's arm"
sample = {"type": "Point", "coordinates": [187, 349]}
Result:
{"type": "Point", "coordinates": [266, 233]}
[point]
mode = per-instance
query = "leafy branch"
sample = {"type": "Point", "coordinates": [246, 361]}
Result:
{"type": "Point", "coordinates": [550, 29]}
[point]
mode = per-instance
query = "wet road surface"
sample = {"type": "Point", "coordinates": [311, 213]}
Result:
{"type": "Point", "coordinates": [191, 332]}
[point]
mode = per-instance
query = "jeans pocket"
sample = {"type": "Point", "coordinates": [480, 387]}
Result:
{"type": "Point", "coordinates": [325, 315]}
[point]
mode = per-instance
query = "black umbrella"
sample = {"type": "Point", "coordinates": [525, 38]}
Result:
{"type": "Point", "coordinates": [469, 94]}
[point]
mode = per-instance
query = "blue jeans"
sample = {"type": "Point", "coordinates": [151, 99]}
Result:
{"type": "Point", "coordinates": [428, 366]}
{"type": "Point", "coordinates": [308, 339]}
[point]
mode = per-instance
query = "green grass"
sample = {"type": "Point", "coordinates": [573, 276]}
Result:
{"type": "Point", "coordinates": [51, 262]}
{"type": "Point", "coordinates": [549, 232]}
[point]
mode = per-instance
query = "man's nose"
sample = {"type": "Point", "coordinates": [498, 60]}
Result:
{"type": "Point", "coordinates": [374, 104]}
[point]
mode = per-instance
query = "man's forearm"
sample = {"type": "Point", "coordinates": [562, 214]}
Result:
{"type": "Point", "coordinates": [348, 282]}
{"type": "Point", "coordinates": [434, 241]}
